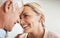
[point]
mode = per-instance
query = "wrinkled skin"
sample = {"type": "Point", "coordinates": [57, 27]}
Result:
{"type": "Point", "coordinates": [8, 17]}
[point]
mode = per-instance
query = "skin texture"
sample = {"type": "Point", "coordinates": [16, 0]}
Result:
{"type": "Point", "coordinates": [31, 23]}
{"type": "Point", "coordinates": [8, 17]}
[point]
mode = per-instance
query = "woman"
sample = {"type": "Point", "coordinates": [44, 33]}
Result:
{"type": "Point", "coordinates": [32, 21]}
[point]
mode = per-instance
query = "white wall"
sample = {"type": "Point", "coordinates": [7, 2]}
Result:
{"type": "Point", "coordinates": [52, 16]}
{"type": "Point", "coordinates": [52, 12]}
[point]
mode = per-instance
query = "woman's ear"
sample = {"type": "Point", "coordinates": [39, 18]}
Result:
{"type": "Point", "coordinates": [8, 6]}
{"type": "Point", "coordinates": [41, 18]}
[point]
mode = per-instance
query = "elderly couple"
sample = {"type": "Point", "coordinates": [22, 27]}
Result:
{"type": "Point", "coordinates": [30, 16]}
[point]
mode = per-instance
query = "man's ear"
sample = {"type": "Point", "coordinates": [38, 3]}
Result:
{"type": "Point", "coordinates": [8, 6]}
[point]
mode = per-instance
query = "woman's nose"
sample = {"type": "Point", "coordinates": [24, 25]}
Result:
{"type": "Point", "coordinates": [18, 20]}
{"type": "Point", "coordinates": [22, 21]}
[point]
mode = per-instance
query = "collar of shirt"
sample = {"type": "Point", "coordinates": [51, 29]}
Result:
{"type": "Point", "coordinates": [2, 33]}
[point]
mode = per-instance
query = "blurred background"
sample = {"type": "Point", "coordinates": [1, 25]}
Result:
{"type": "Point", "coordinates": [51, 10]}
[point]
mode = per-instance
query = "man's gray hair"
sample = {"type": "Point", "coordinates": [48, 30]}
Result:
{"type": "Point", "coordinates": [17, 4]}
{"type": "Point", "coordinates": [2, 2]}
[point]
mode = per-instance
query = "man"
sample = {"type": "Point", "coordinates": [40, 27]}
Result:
{"type": "Point", "coordinates": [9, 15]}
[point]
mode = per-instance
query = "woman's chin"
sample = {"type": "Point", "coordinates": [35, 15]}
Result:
{"type": "Point", "coordinates": [27, 31]}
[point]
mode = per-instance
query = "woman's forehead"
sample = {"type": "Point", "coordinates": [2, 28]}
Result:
{"type": "Point", "coordinates": [28, 10]}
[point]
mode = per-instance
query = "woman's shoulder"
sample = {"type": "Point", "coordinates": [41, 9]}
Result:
{"type": "Point", "coordinates": [51, 35]}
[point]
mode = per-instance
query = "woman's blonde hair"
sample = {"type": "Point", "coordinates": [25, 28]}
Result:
{"type": "Point", "coordinates": [36, 8]}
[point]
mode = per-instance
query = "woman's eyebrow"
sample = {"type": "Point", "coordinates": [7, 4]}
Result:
{"type": "Point", "coordinates": [24, 13]}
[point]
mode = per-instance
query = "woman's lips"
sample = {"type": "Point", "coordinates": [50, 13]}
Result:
{"type": "Point", "coordinates": [25, 26]}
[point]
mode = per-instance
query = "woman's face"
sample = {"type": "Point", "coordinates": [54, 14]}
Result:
{"type": "Point", "coordinates": [29, 20]}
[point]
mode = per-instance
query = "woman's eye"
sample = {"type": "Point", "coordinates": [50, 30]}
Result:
{"type": "Point", "coordinates": [25, 15]}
